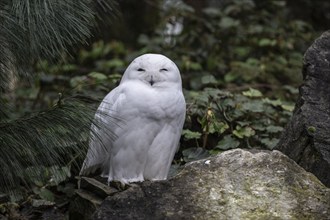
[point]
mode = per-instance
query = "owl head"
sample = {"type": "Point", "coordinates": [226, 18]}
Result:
{"type": "Point", "coordinates": [155, 70]}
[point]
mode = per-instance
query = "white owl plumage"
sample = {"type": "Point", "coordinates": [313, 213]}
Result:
{"type": "Point", "coordinates": [142, 121]}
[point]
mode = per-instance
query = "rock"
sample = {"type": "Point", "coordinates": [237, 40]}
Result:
{"type": "Point", "coordinates": [40, 203]}
{"type": "Point", "coordinates": [4, 198]}
{"type": "Point", "coordinates": [100, 189]}
{"type": "Point", "coordinates": [306, 138]}
{"type": "Point", "coordinates": [88, 197]}
{"type": "Point", "coordinates": [84, 204]}
{"type": "Point", "coordinates": [52, 214]}
{"type": "Point", "coordinates": [236, 184]}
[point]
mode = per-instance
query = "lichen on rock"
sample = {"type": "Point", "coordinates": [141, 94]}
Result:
{"type": "Point", "coordinates": [236, 184]}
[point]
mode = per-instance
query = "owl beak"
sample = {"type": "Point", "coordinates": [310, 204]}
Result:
{"type": "Point", "coordinates": [151, 81]}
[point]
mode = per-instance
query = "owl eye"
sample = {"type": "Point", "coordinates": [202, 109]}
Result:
{"type": "Point", "coordinates": [164, 69]}
{"type": "Point", "coordinates": [141, 70]}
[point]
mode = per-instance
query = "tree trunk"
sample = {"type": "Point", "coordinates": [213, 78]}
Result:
{"type": "Point", "coordinates": [306, 138]}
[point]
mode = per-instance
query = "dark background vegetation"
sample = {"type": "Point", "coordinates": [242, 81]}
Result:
{"type": "Point", "coordinates": [240, 62]}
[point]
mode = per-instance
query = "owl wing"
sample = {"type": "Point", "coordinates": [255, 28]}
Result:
{"type": "Point", "coordinates": [102, 135]}
{"type": "Point", "coordinates": [166, 142]}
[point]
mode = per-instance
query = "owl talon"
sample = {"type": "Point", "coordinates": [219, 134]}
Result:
{"type": "Point", "coordinates": [119, 185]}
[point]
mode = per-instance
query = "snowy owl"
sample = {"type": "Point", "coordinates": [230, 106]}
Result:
{"type": "Point", "coordinates": [142, 123]}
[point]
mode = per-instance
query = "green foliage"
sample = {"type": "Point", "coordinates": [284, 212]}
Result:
{"type": "Point", "coordinates": [228, 142]}
{"type": "Point", "coordinates": [187, 134]}
{"type": "Point", "coordinates": [241, 64]}
{"type": "Point", "coordinates": [94, 71]}
{"type": "Point", "coordinates": [192, 154]}
{"type": "Point", "coordinates": [226, 120]}
{"type": "Point", "coordinates": [235, 45]}
{"type": "Point", "coordinates": [50, 185]}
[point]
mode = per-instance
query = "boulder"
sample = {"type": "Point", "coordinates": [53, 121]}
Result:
{"type": "Point", "coordinates": [306, 138]}
{"type": "Point", "coordinates": [236, 184]}
{"type": "Point", "coordinates": [88, 197]}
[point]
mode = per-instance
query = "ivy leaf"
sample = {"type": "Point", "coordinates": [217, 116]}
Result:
{"type": "Point", "coordinates": [68, 189]}
{"type": "Point", "coordinates": [228, 142]}
{"type": "Point", "coordinates": [274, 129]}
{"type": "Point", "coordinates": [188, 134]}
{"type": "Point", "coordinates": [98, 76]}
{"type": "Point", "coordinates": [192, 154]}
{"type": "Point", "coordinates": [253, 106]}
{"type": "Point", "coordinates": [228, 22]}
{"type": "Point", "coordinates": [78, 82]}
{"type": "Point", "coordinates": [279, 103]}
{"type": "Point", "coordinates": [259, 127]}
{"type": "Point", "coordinates": [274, 103]}
{"type": "Point", "coordinates": [114, 63]}
{"type": "Point", "coordinates": [37, 203]}
{"type": "Point", "coordinates": [44, 194]}
{"type": "Point", "coordinates": [174, 169]}
{"type": "Point", "coordinates": [213, 12]}
{"type": "Point", "coordinates": [252, 93]}
{"type": "Point", "coordinates": [230, 77]}
{"type": "Point", "coordinates": [289, 108]}
{"type": "Point", "coordinates": [208, 79]}
{"type": "Point", "coordinates": [190, 65]}
{"type": "Point", "coordinates": [264, 42]}
{"type": "Point", "coordinates": [218, 127]}
{"type": "Point", "coordinates": [242, 132]}
{"type": "Point", "coordinates": [269, 143]}
{"type": "Point", "coordinates": [59, 175]}
{"type": "Point", "coordinates": [36, 175]}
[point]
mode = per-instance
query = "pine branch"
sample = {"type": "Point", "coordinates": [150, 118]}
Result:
{"type": "Point", "coordinates": [43, 29]}
{"type": "Point", "coordinates": [31, 30]}
{"type": "Point", "coordinates": [51, 137]}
